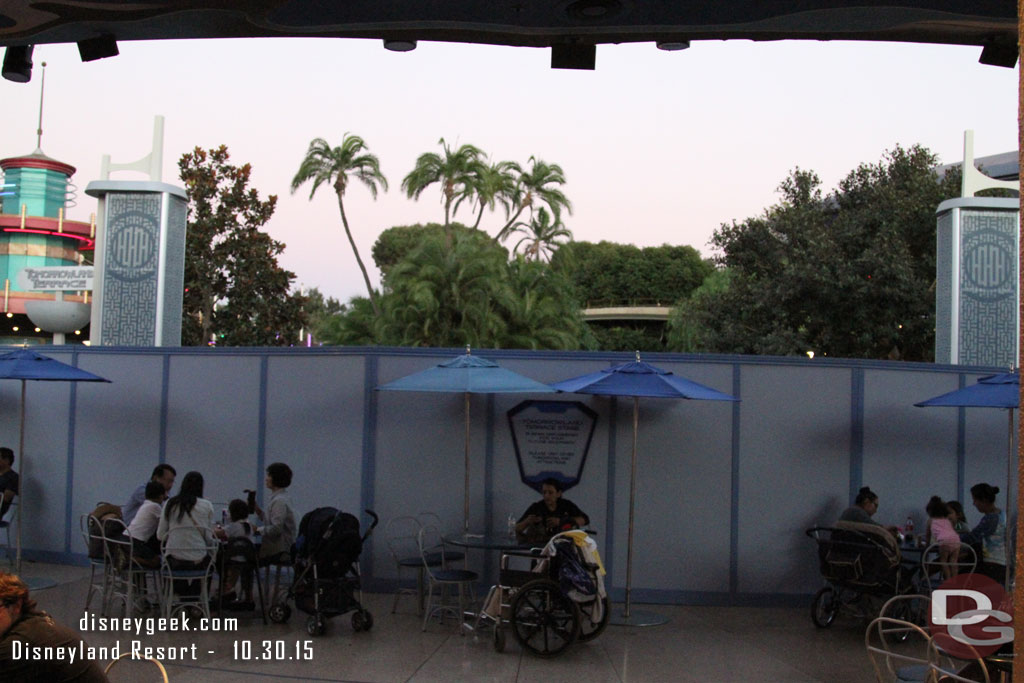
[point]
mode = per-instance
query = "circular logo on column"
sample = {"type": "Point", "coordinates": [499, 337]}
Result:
{"type": "Point", "coordinates": [989, 266]}
{"type": "Point", "coordinates": [132, 246]}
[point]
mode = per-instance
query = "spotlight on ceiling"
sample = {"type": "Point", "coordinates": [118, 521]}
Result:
{"type": "Point", "coordinates": [99, 47]}
{"type": "Point", "coordinates": [400, 45]}
{"type": "Point", "coordinates": [573, 57]}
{"type": "Point", "coordinates": [999, 54]}
{"type": "Point", "coordinates": [673, 45]}
{"type": "Point", "coordinates": [18, 63]}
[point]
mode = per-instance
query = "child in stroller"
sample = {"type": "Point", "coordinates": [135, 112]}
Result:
{"type": "Point", "coordinates": [326, 563]}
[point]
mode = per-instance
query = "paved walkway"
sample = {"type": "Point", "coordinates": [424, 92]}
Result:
{"type": "Point", "coordinates": [698, 644]}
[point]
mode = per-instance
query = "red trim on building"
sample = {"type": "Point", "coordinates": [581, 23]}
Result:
{"type": "Point", "coordinates": [37, 162]}
{"type": "Point", "coordinates": [77, 228]}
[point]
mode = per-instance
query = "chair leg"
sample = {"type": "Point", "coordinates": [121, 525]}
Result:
{"type": "Point", "coordinates": [430, 601]}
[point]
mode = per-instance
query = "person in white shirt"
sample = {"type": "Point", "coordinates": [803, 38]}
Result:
{"type": "Point", "coordinates": [186, 527]}
{"type": "Point", "coordinates": [143, 528]}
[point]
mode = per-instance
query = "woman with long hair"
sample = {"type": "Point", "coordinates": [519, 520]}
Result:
{"type": "Point", "coordinates": [186, 526]}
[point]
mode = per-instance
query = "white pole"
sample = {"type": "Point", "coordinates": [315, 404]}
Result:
{"type": "Point", "coordinates": [632, 499]}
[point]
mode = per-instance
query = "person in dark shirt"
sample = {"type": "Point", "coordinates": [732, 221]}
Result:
{"type": "Point", "coordinates": [8, 480]}
{"type": "Point", "coordinates": [551, 513]}
{"type": "Point", "coordinates": [21, 622]}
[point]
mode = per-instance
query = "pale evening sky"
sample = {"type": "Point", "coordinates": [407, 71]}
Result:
{"type": "Point", "coordinates": [657, 147]}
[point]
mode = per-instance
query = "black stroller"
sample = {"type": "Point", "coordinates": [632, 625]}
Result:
{"type": "Point", "coordinates": [862, 567]}
{"type": "Point", "coordinates": [326, 563]}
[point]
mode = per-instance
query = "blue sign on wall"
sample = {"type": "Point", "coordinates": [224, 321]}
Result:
{"type": "Point", "coordinates": [551, 439]}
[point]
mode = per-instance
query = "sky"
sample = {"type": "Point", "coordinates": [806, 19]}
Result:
{"type": "Point", "coordinates": [657, 147]}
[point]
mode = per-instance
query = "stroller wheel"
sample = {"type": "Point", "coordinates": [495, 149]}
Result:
{"type": "Point", "coordinates": [499, 638]}
{"type": "Point", "coordinates": [279, 613]}
{"type": "Point", "coordinates": [825, 607]}
{"type": "Point", "coordinates": [362, 620]}
{"type": "Point", "coordinates": [588, 629]}
{"type": "Point", "coordinates": [315, 625]}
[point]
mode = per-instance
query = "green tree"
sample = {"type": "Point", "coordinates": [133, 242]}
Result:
{"type": "Point", "coordinates": [320, 311]}
{"type": "Point", "coordinates": [850, 274]}
{"type": "Point", "coordinates": [490, 186]}
{"type": "Point", "coordinates": [542, 236]}
{"type": "Point", "coordinates": [456, 172]}
{"type": "Point", "coordinates": [541, 184]}
{"type": "Point", "coordinates": [608, 274]}
{"type": "Point", "coordinates": [396, 243]}
{"type": "Point", "coordinates": [235, 292]}
{"type": "Point", "coordinates": [338, 166]}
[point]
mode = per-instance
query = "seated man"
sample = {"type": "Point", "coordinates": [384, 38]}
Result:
{"type": "Point", "coordinates": [550, 515]}
{"type": "Point", "coordinates": [8, 480]}
{"type": "Point", "coordinates": [163, 474]}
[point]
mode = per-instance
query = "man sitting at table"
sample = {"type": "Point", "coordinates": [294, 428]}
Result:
{"type": "Point", "coordinates": [550, 515]}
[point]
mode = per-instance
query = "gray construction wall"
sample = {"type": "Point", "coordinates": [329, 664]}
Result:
{"type": "Point", "coordinates": [724, 491]}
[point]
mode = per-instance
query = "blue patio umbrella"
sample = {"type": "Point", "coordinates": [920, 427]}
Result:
{"type": "Point", "coordinates": [26, 364]}
{"type": "Point", "coordinates": [993, 391]}
{"type": "Point", "coordinates": [639, 380]}
{"type": "Point", "coordinates": [467, 374]}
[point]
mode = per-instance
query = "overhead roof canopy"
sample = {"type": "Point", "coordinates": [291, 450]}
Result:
{"type": "Point", "coordinates": [534, 23]}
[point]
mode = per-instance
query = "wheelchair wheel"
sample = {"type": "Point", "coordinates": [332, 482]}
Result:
{"type": "Point", "coordinates": [588, 629]}
{"type": "Point", "coordinates": [825, 607]}
{"type": "Point", "coordinates": [544, 621]}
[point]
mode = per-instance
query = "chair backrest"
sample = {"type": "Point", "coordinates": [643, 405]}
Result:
{"type": "Point", "coordinates": [167, 550]}
{"type": "Point", "coordinates": [429, 519]}
{"type": "Point", "coordinates": [945, 667]}
{"type": "Point", "coordinates": [238, 551]}
{"type": "Point", "coordinates": [896, 646]}
{"type": "Point", "coordinates": [135, 669]}
{"type": "Point", "coordinates": [913, 608]}
{"type": "Point", "coordinates": [402, 536]}
{"type": "Point", "coordinates": [117, 545]}
{"type": "Point", "coordinates": [966, 562]}
{"type": "Point", "coordinates": [431, 543]}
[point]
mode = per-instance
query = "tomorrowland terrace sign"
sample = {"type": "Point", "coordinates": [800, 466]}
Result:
{"type": "Point", "coordinates": [551, 439]}
{"type": "Point", "coordinates": [55, 278]}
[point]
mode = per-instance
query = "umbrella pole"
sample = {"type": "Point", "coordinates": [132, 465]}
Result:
{"type": "Point", "coordinates": [632, 499]}
{"type": "Point", "coordinates": [465, 482]}
{"type": "Point", "coordinates": [21, 478]}
{"type": "Point", "coordinates": [1011, 461]}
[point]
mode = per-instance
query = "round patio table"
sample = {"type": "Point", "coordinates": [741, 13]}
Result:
{"type": "Point", "coordinates": [491, 541]}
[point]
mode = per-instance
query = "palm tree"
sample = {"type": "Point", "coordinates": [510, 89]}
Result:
{"type": "Point", "coordinates": [454, 171]}
{"type": "Point", "coordinates": [339, 165]}
{"type": "Point", "coordinates": [539, 183]}
{"type": "Point", "coordinates": [542, 235]}
{"type": "Point", "coordinates": [491, 185]}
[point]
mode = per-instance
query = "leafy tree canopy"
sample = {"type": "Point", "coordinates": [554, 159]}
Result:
{"type": "Point", "coordinates": [608, 273]}
{"type": "Point", "coordinates": [848, 274]}
{"type": "Point", "coordinates": [235, 291]}
{"type": "Point", "coordinates": [396, 243]}
{"type": "Point", "coordinates": [469, 293]}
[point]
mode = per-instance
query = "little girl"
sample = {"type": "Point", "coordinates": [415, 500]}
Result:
{"type": "Point", "coordinates": [940, 530]}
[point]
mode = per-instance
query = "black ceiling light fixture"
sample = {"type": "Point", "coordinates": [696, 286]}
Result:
{"type": "Point", "coordinates": [400, 45]}
{"type": "Point", "coordinates": [18, 63]}
{"type": "Point", "coordinates": [99, 47]}
{"type": "Point", "coordinates": [673, 45]}
{"type": "Point", "coordinates": [573, 56]}
{"type": "Point", "coordinates": [999, 54]}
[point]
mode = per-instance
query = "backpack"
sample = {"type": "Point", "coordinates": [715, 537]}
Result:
{"type": "Point", "coordinates": [102, 513]}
